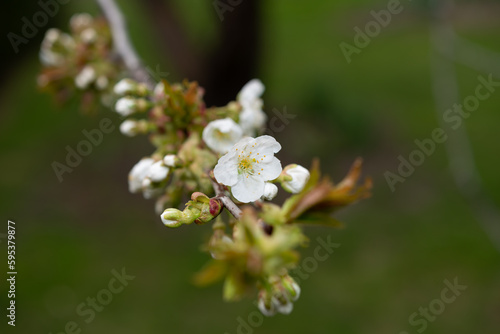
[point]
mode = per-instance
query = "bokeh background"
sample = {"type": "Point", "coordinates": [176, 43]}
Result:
{"type": "Point", "coordinates": [397, 248]}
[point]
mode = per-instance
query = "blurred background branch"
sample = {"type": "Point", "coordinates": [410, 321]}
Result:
{"type": "Point", "coordinates": [122, 42]}
{"type": "Point", "coordinates": [446, 94]}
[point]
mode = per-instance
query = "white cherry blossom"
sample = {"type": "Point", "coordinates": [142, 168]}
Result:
{"type": "Point", "coordinates": [138, 174]}
{"type": "Point", "coordinates": [270, 191]}
{"type": "Point", "coordinates": [299, 176]}
{"type": "Point", "coordinates": [86, 76]}
{"type": "Point", "coordinates": [158, 171]}
{"type": "Point", "coordinates": [222, 134]}
{"type": "Point", "coordinates": [252, 117]}
{"type": "Point", "coordinates": [247, 166]}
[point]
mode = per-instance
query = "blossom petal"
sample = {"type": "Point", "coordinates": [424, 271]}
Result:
{"type": "Point", "coordinates": [248, 189]}
{"type": "Point", "coordinates": [270, 170]}
{"type": "Point", "coordinates": [251, 91]}
{"type": "Point", "coordinates": [226, 171]}
{"type": "Point", "coordinates": [268, 143]}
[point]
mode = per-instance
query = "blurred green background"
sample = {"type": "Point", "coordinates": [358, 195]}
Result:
{"type": "Point", "coordinates": [397, 247]}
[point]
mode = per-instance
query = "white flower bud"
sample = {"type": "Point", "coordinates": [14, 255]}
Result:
{"type": "Point", "coordinates": [51, 36]}
{"type": "Point", "coordinates": [299, 176]}
{"type": "Point", "coordinates": [268, 312]}
{"type": "Point", "coordinates": [297, 290]}
{"type": "Point", "coordinates": [270, 191]}
{"type": "Point", "coordinates": [285, 308]}
{"type": "Point", "coordinates": [138, 173]}
{"type": "Point", "coordinates": [80, 21]}
{"type": "Point", "coordinates": [129, 128]}
{"type": "Point", "coordinates": [86, 76]}
{"type": "Point", "coordinates": [126, 106]}
{"type": "Point", "coordinates": [159, 89]}
{"type": "Point", "coordinates": [88, 35]}
{"type": "Point", "coordinates": [252, 118]}
{"type": "Point", "coordinates": [291, 287]}
{"type": "Point", "coordinates": [158, 172]}
{"type": "Point", "coordinates": [221, 135]}
{"type": "Point", "coordinates": [125, 86]}
{"type": "Point", "coordinates": [169, 160]}
{"type": "Point", "coordinates": [50, 58]}
{"type": "Point", "coordinates": [171, 217]}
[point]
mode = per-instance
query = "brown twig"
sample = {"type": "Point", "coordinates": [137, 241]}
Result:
{"type": "Point", "coordinates": [228, 203]}
{"type": "Point", "coordinates": [122, 42]}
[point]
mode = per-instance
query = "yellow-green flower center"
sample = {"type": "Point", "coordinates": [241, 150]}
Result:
{"type": "Point", "coordinates": [221, 135]}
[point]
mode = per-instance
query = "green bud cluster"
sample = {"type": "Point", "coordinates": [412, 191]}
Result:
{"type": "Point", "coordinates": [80, 63]}
{"type": "Point", "coordinates": [200, 210]}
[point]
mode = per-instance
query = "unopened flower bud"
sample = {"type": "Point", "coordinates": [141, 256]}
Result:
{"type": "Point", "coordinates": [295, 178]}
{"type": "Point", "coordinates": [158, 172]}
{"type": "Point", "coordinates": [128, 128]}
{"type": "Point", "coordinates": [125, 106]}
{"type": "Point", "coordinates": [86, 76]}
{"type": "Point", "coordinates": [78, 22]}
{"type": "Point", "coordinates": [200, 197]}
{"type": "Point", "coordinates": [131, 127]}
{"type": "Point", "coordinates": [171, 160]}
{"type": "Point", "coordinates": [124, 87]}
{"type": "Point", "coordinates": [266, 304]}
{"type": "Point", "coordinates": [209, 208]}
{"type": "Point", "coordinates": [159, 89]}
{"type": "Point", "coordinates": [291, 287]}
{"type": "Point", "coordinates": [129, 105]}
{"type": "Point", "coordinates": [172, 217]}
{"type": "Point", "coordinates": [138, 173]}
{"type": "Point", "coordinates": [270, 191]}
{"type": "Point", "coordinates": [283, 306]}
{"type": "Point", "coordinates": [52, 35]}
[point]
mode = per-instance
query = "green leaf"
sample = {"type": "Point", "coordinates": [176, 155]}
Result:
{"type": "Point", "coordinates": [234, 286]}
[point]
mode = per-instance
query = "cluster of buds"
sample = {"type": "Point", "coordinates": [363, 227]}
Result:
{"type": "Point", "coordinates": [254, 254]}
{"type": "Point", "coordinates": [175, 117]}
{"type": "Point", "coordinates": [80, 62]}
{"type": "Point", "coordinates": [200, 210]}
{"type": "Point", "coordinates": [150, 175]}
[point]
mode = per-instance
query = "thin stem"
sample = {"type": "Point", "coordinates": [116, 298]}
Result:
{"type": "Point", "coordinates": [228, 203]}
{"type": "Point", "coordinates": [122, 42]}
